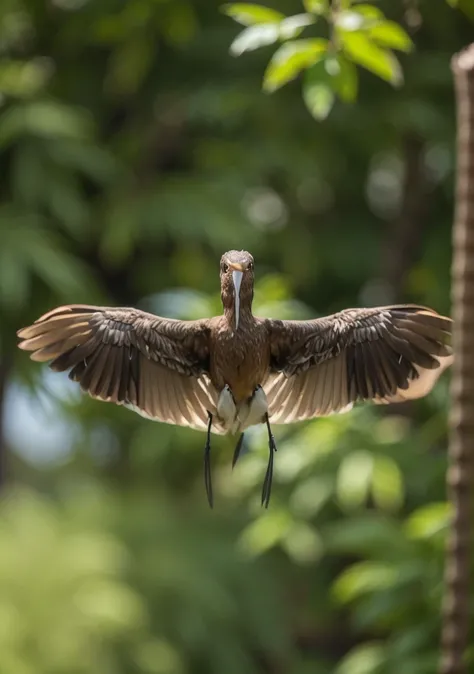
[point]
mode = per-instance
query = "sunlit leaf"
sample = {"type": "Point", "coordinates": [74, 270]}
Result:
{"type": "Point", "coordinates": [390, 34]}
{"type": "Point", "coordinates": [23, 78]}
{"type": "Point", "coordinates": [316, 6]}
{"type": "Point", "coordinates": [157, 656]}
{"type": "Point", "coordinates": [319, 99]}
{"type": "Point", "coordinates": [387, 483]}
{"type": "Point", "coordinates": [249, 14]}
{"type": "Point", "coordinates": [369, 12]}
{"type": "Point", "coordinates": [254, 37]}
{"type": "Point", "coordinates": [364, 659]}
{"type": "Point", "coordinates": [349, 21]}
{"type": "Point", "coordinates": [310, 496]}
{"type": "Point", "coordinates": [354, 478]}
{"type": "Point", "coordinates": [303, 543]}
{"type": "Point", "coordinates": [293, 25]}
{"type": "Point", "coordinates": [429, 520]}
{"type": "Point", "coordinates": [366, 53]}
{"type": "Point", "coordinates": [290, 59]}
{"type": "Point", "coordinates": [266, 531]}
{"type": "Point", "coordinates": [363, 578]}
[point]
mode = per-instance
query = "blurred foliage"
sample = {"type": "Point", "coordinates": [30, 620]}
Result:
{"type": "Point", "coordinates": [134, 150]}
{"type": "Point", "coordinates": [358, 34]}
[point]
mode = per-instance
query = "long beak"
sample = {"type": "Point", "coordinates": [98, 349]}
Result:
{"type": "Point", "coordinates": [237, 280]}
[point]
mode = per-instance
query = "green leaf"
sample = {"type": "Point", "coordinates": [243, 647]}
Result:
{"type": "Point", "coordinates": [293, 25]}
{"type": "Point", "coordinates": [349, 21]}
{"type": "Point", "coordinates": [249, 14]}
{"type": "Point", "coordinates": [303, 543]}
{"type": "Point", "coordinates": [467, 7]}
{"type": "Point", "coordinates": [369, 12]}
{"type": "Point", "coordinates": [369, 535]}
{"type": "Point", "coordinates": [266, 532]}
{"type": "Point", "coordinates": [354, 478]}
{"type": "Point", "coordinates": [23, 79]}
{"type": "Point", "coordinates": [339, 74]}
{"type": "Point", "coordinates": [347, 80]}
{"type": "Point", "coordinates": [46, 119]}
{"type": "Point", "coordinates": [390, 34]}
{"type": "Point", "coordinates": [319, 99]}
{"type": "Point", "coordinates": [310, 496]}
{"type": "Point", "coordinates": [429, 520]}
{"type": "Point", "coordinates": [318, 7]}
{"type": "Point", "coordinates": [363, 51]}
{"type": "Point", "coordinates": [365, 659]}
{"type": "Point", "coordinates": [363, 578]}
{"type": "Point", "coordinates": [254, 37]}
{"type": "Point", "coordinates": [290, 59]}
{"type": "Point", "coordinates": [387, 483]}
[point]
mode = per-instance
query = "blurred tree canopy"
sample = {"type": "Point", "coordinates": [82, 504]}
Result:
{"type": "Point", "coordinates": [135, 150]}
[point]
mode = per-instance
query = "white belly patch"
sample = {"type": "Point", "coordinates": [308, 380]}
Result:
{"type": "Point", "coordinates": [236, 418]}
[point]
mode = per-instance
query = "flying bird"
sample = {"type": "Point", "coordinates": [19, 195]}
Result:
{"type": "Point", "coordinates": [229, 372]}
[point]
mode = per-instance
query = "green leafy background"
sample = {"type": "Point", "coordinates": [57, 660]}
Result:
{"type": "Point", "coordinates": [134, 150]}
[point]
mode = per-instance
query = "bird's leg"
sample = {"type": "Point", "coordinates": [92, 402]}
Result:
{"type": "Point", "coordinates": [237, 449]}
{"type": "Point", "coordinates": [267, 483]}
{"type": "Point", "coordinates": [207, 463]}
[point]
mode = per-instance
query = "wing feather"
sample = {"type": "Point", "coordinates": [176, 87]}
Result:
{"type": "Point", "coordinates": [156, 366]}
{"type": "Point", "coordinates": [384, 354]}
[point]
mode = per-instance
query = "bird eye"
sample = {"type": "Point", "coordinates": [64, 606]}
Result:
{"type": "Point", "coordinates": [225, 268]}
{"type": "Point", "coordinates": [250, 267]}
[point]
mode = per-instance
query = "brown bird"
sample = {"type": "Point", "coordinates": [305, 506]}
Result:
{"type": "Point", "coordinates": [227, 373]}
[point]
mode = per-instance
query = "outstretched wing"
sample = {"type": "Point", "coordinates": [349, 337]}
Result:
{"type": "Point", "coordinates": [385, 354]}
{"type": "Point", "coordinates": [156, 366]}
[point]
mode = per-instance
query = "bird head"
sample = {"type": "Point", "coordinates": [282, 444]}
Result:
{"type": "Point", "coordinates": [236, 281]}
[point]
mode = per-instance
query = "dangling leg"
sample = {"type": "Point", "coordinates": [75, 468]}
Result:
{"type": "Point", "coordinates": [267, 483]}
{"type": "Point", "coordinates": [207, 463]}
{"type": "Point", "coordinates": [237, 449]}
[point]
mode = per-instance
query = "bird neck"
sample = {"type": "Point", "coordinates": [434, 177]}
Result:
{"type": "Point", "coordinates": [245, 311]}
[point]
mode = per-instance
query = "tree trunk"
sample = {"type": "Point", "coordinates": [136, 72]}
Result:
{"type": "Point", "coordinates": [455, 634]}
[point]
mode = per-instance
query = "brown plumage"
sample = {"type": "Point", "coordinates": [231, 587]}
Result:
{"type": "Point", "coordinates": [229, 372]}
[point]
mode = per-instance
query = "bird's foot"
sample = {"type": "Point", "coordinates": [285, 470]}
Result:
{"type": "Point", "coordinates": [237, 449]}
{"type": "Point", "coordinates": [267, 483]}
{"type": "Point", "coordinates": [207, 464]}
